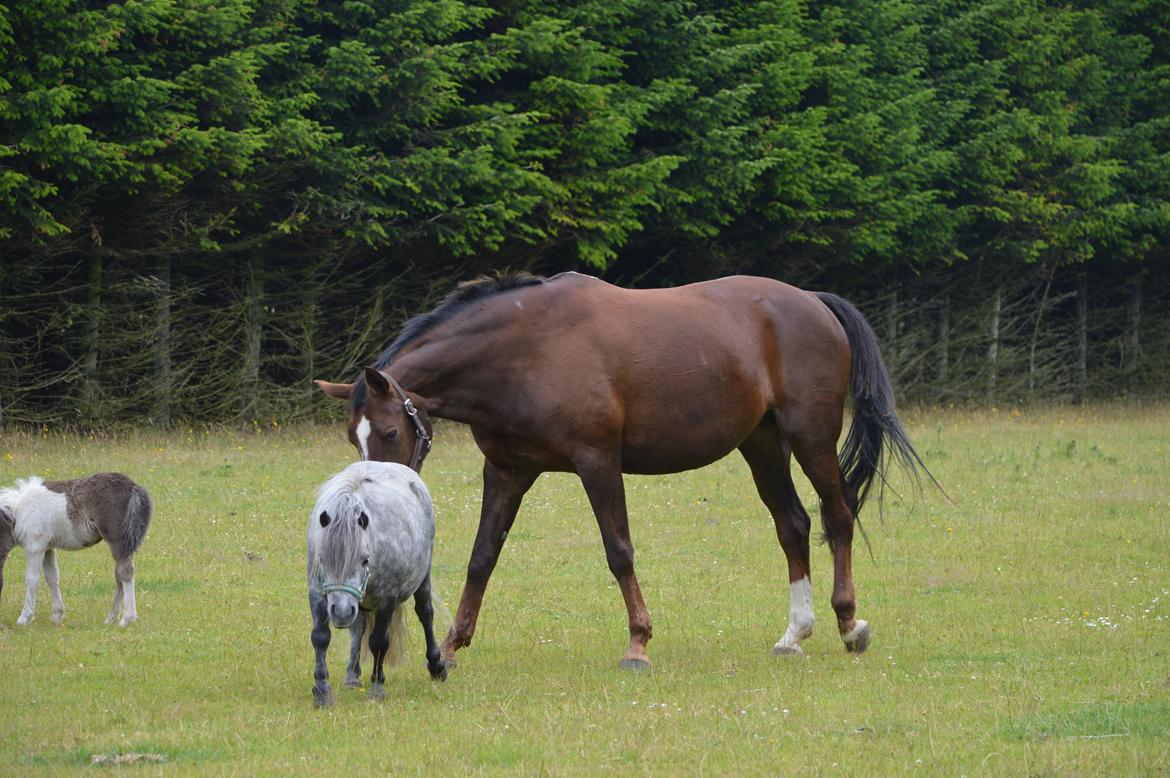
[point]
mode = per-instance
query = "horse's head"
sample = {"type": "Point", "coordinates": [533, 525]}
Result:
{"type": "Point", "coordinates": [343, 564]}
{"type": "Point", "coordinates": [386, 422]}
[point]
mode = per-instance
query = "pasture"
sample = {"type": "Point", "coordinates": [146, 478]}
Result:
{"type": "Point", "coordinates": [1024, 631]}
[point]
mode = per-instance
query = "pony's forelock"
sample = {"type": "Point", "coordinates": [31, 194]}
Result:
{"type": "Point", "coordinates": [12, 494]}
{"type": "Point", "coordinates": [339, 547]}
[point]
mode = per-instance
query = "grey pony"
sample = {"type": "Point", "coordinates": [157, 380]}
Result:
{"type": "Point", "coordinates": [370, 539]}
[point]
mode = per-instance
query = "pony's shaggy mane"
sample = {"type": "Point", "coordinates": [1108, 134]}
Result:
{"type": "Point", "coordinates": [455, 302]}
{"type": "Point", "coordinates": [13, 493]}
{"type": "Point", "coordinates": [340, 548]}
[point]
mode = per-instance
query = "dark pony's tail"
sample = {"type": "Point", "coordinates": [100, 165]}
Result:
{"type": "Point", "coordinates": [139, 510]}
{"type": "Point", "coordinates": [875, 422]}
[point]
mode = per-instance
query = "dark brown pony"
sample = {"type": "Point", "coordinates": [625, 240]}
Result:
{"type": "Point", "coordinates": [573, 374]}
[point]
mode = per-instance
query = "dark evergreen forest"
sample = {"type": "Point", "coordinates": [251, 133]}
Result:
{"type": "Point", "coordinates": [205, 204]}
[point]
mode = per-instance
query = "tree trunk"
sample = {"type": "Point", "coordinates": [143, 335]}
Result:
{"type": "Point", "coordinates": [944, 344]}
{"type": "Point", "coordinates": [163, 382]}
{"type": "Point", "coordinates": [93, 312]}
{"type": "Point", "coordinates": [1133, 351]}
{"type": "Point", "coordinates": [309, 323]}
{"type": "Point", "coordinates": [253, 337]}
{"type": "Point", "coordinates": [890, 347]}
{"type": "Point", "coordinates": [993, 343]}
{"type": "Point", "coordinates": [1082, 377]}
{"type": "Point", "coordinates": [1036, 336]}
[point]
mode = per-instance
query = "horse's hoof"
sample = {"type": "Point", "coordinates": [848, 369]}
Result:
{"type": "Point", "coordinates": [857, 639]}
{"type": "Point", "coordinates": [636, 665]}
{"type": "Point", "coordinates": [353, 683]}
{"type": "Point", "coordinates": [377, 693]}
{"type": "Point", "coordinates": [439, 673]}
{"type": "Point", "coordinates": [322, 698]}
{"type": "Point", "coordinates": [448, 658]}
{"type": "Point", "coordinates": [787, 649]}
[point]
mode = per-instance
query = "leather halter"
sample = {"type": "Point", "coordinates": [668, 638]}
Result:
{"type": "Point", "coordinates": [422, 441]}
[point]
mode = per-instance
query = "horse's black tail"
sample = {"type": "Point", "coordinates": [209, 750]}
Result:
{"type": "Point", "coordinates": [875, 422]}
{"type": "Point", "coordinates": [139, 510]}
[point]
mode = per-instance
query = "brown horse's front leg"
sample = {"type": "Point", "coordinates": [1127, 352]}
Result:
{"type": "Point", "coordinates": [603, 483]}
{"type": "Point", "coordinates": [503, 489]}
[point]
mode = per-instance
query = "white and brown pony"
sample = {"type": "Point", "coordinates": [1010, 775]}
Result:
{"type": "Point", "coordinates": [43, 516]}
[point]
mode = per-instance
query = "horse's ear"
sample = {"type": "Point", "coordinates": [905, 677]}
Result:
{"type": "Point", "coordinates": [324, 518]}
{"type": "Point", "coordinates": [337, 391]}
{"type": "Point", "coordinates": [377, 382]}
{"type": "Point", "coordinates": [363, 520]}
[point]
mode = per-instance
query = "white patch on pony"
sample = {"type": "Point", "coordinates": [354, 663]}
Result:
{"type": "Point", "coordinates": [362, 431]}
{"type": "Point", "coordinates": [800, 618]}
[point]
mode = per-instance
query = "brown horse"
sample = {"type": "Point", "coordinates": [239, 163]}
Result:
{"type": "Point", "coordinates": [573, 374]}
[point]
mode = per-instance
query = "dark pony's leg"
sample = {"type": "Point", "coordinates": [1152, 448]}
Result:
{"type": "Point", "coordinates": [322, 693]}
{"type": "Point", "coordinates": [353, 671]}
{"type": "Point", "coordinates": [769, 456]}
{"type": "Point", "coordinates": [426, 615]}
{"type": "Point", "coordinates": [379, 645]}
{"type": "Point", "coordinates": [603, 483]}
{"type": "Point", "coordinates": [503, 489]}
{"type": "Point", "coordinates": [815, 448]}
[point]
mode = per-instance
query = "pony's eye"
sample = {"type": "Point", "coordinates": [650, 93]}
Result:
{"type": "Point", "coordinates": [392, 434]}
{"type": "Point", "coordinates": [365, 563]}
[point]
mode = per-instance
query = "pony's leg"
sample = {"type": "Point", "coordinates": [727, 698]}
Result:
{"type": "Point", "coordinates": [603, 484]}
{"type": "Point", "coordinates": [124, 591]}
{"type": "Point", "coordinates": [322, 693]}
{"type": "Point", "coordinates": [503, 489]}
{"type": "Point", "coordinates": [33, 562]}
{"type": "Point", "coordinates": [817, 456]}
{"type": "Point", "coordinates": [53, 579]}
{"type": "Point", "coordinates": [353, 671]}
{"type": "Point", "coordinates": [425, 610]}
{"type": "Point", "coordinates": [769, 457]}
{"type": "Point", "coordinates": [379, 645]}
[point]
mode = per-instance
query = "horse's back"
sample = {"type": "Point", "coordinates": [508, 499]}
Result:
{"type": "Point", "coordinates": [682, 374]}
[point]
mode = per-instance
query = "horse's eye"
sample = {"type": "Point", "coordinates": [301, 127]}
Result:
{"type": "Point", "coordinates": [392, 434]}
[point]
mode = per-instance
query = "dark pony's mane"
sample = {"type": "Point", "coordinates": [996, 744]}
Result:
{"type": "Point", "coordinates": [459, 299]}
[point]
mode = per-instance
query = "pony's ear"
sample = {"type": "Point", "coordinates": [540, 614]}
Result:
{"type": "Point", "coordinates": [363, 520]}
{"type": "Point", "coordinates": [7, 520]}
{"type": "Point", "coordinates": [377, 382]}
{"type": "Point", "coordinates": [324, 518]}
{"type": "Point", "coordinates": [337, 391]}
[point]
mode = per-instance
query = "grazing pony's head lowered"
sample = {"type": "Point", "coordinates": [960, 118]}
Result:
{"type": "Point", "coordinates": [385, 419]}
{"type": "Point", "coordinates": [343, 559]}
{"type": "Point", "coordinates": [382, 419]}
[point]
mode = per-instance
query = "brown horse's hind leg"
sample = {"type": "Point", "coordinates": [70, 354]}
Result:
{"type": "Point", "coordinates": [503, 490]}
{"type": "Point", "coordinates": [603, 483]}
{"type": "Point", "coordinates": [769, 457]}
{"type": "Point", "coordinates": [817, 455]}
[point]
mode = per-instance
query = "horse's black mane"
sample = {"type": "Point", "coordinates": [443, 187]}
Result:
{"type": "Point", "coordinates": [460, 298]}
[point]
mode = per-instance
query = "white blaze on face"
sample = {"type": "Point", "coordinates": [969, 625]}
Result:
{"type": "Point", "coordinates": [362, 433]}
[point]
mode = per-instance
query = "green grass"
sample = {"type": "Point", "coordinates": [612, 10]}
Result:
{"type": "Point", "coordinates": [1023, 631]}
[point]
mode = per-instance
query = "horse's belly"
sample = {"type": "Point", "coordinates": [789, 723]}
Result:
{"type": "Point", "coordinates": [673, 451]}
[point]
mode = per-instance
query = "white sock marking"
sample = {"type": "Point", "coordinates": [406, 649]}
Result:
{"type": "Point", "coordinates": [800, 614]}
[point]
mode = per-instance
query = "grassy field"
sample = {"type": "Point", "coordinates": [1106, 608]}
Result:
{"type": "Point", "coordinates": [1024, 631]}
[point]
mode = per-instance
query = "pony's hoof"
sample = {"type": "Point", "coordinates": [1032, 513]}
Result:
{"type": "Point", "coordinates": [377, 693]}
{"type": "Point", "coordinates": [787, 649]}
{"type": "Point", "coordinates": [111, 619]}
{"type": "Point", "coordinates": [127, 622]}
{"type": "Point", "coordinates": [322, 698]}
{"type": "Point", "coordinates": [23, 621]}
{"type": "Point", "coordinates": [857, 639]}
{"type": "Point", "coordinates": [448, 657]}
{"type": "Point", "coordinates": [58, 619]}
{"type": "Point", "coordinates": [636, 665]}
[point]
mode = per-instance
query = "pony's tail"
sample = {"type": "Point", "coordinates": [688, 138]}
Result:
{"type": "Point", "coordinates": [139, 510]}
{"type": "Point", "coordinates": [875, 426]}
{"type": "Point", "coordinates": [396, 653]}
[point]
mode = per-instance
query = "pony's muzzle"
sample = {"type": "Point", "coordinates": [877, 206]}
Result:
{"type": "Point", "coordinates": [342, 611]}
